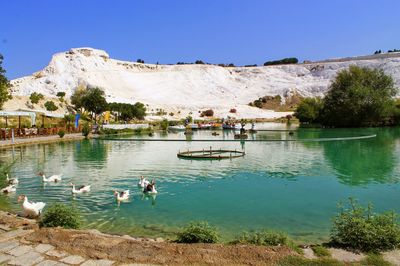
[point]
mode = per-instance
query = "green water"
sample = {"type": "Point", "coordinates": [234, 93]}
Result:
{"type": "Point", "coordinates": [289, 186]}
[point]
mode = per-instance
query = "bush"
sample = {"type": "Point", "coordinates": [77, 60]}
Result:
{"type": "Point", "coordinates": [61, 95]}
{"type": "Point", "coordinates": [309, 110]}
{"type": "Point", "coordinates": [198, 232]}
{"type": "Point", "coordinates": [164, 124]}
{"type": "Point", "coordinates": [86, 130]}
{"type": "Point", "coordinates": [50, 106]}
{"type": "Point", "coordinates": [359, 96]}
{"type": "Point", "coordinates": [284, 61]}
{"type": "Point", "coordinates": [263, 238]}
{"type": "Point", "coordinates": [36, 97]}
{"type": "Point", "coordinates": [207, 113]}
{"type": "Point", "coordinates": [61, 133]}
{"type": "Point", "coordinates": [360, 229]}
{"type": "Point", "coordinates": [61, 215]}
{"type": "Point", "coordinates": [233, 111]}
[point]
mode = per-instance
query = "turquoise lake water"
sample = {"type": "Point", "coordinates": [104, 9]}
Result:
{"type": "Point", "coordinates": [290, 186]}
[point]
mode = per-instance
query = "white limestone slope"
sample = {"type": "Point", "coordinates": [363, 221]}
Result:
{"type": "Point", "coordinates": [189, 88]}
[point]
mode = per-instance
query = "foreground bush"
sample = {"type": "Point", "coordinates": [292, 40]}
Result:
{"type": "Point", "coordinates": [85, 130]}
{"type": "Point", "coordinates": [60, 215]}
{"type": "Point", "coordinates": [61, 133]}
{"type": "Point", "coordinates": [198, 232]}
{"type": "Point", "coordinates": [360, 229]}
{"type": "Point", "coordinates": [263, 238]}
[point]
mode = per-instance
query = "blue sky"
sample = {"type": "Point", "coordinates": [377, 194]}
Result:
{"type": "Point", "coordinates": [216, 31]}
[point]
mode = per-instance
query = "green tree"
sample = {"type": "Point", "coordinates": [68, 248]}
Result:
{"type": "Point", "coordinates": [61, 95]}
{"type": "Point", "coordinates": [50, 106]}
{"type": "Point", "coordinates": [4, 85]}
{"type": "Point", "coordinates": [139, 110]}
{"type": "Point", "coordinates": [126, 111]}
{"type": "Point", "coordinates": [77, 96]}
{"type": "Point", "coordinates": [36, 97]}
{"type": "Point", "coordinates": [69, 119]}
{"type": "Point", "coordinates": [359, 96]}
{"type": "Point", "coordinates": [309, 110]}
{"type": "Point", "coordinates": [94, 101]}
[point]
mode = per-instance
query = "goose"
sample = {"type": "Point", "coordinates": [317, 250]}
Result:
{"type": "Point", "coordinates": [143, 182]}
{"type": "Point", "coordinates": [150, 188]}
{"type": "Point", "coordinates": [53, 178]}
{"type": "Point", "coordinates": [11, 181]}
{"type": "Point", "coordinates": [8, 189]}
{"type": "Point", "coordinates": [121, 196]}
{"type": "Point", "coordinates": [81, 189]}
{"type": "Point", "coordinates": [31, 209]}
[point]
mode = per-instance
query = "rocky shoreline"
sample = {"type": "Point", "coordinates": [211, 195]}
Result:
{"type": "Point", "coordinates": [22, 242]}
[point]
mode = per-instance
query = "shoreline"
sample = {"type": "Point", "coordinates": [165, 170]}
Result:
{"type": "Point", "coordinates": [22, 242]}
{"type": "Point", "coordinates": [18, 142]}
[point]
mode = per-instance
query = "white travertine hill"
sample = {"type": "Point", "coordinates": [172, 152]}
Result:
{"type": "Point", "coordinates": [189, 88]}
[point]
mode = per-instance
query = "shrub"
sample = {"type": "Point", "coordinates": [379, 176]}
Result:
{"type": "Point", "coordinates": [61, 133]}
{"type": "Point", "coordinates": [198, 232]}
{"type": "Point", "coordinates": [208, 113]}
{"type": "Point", "coordinates": [86, 130]}
{"type": "Point", "coordinates": [359, 96]}
{"type": "Point", "coordinates": [50, 106]}
{"type": "Point", "coordinates": [61, 95]}
{"type": "Point", "coordinates": [164, 124]}
{"type": "Point", "coordinates": [359, 228]}
{"type": "Point", "coordinates": [284, 61]}
{"type": "Point", "coordinates": [61, 215]}
{"type": "Point", "coordinates": [375, 259]}
{"type": "Point", "coordinates": [309, 110]}
{"type": "Point", "coordinates": [36, 97]}
{"type": "Point", "coordinates": [263, 238]}
{"type": "Point", "coordinates": [233, 111]}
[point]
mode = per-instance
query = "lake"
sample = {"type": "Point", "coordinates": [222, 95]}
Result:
{"type": "Point", "coordinates": [292, 186]}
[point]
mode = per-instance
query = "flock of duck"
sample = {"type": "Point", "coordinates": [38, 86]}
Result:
{"type": "Point", "coordinates": [34, 209]}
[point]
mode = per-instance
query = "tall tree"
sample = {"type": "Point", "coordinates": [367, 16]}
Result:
{"type": "Point", "coordinates": [4, 85]}
{"type": "Point", "coordinates": [359, 96]}
{"type": "Point", "coordinates": [94, 101]}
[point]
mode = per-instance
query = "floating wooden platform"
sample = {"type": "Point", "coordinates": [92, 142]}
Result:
{"type": "Point", "coordinates": [211, 154]}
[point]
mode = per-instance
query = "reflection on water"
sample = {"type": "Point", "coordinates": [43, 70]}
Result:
{"type": "Point", "coordinates": [291, 186]}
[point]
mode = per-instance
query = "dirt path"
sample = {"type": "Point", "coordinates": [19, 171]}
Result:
{"type": "Point", "coordinates": [95, 245]}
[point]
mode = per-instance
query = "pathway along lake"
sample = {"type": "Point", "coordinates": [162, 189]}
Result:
{"type": "Point", "coordinates": [290, 186]}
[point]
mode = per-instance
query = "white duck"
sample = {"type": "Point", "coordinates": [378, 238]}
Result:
{"type": "Point", "coordinates": [11, 181]}
{"type": "Point", "coordinates": [122, 196]}
{"type": "Point", "coordinates": [81, 189]}
{"type": "Point", "coordinates": [150, 189]}
{"type": "Point", "coordinates": [9, 189]}
{"type": "Point", "coordinates": [31, 209]}
{"type": "Point", "coordinates": [53, 178]}
{"type": "Point", "coordinates": [143, 182]}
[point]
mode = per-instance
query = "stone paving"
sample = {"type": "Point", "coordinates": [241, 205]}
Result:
{"type": "Point", "coordinates": [15, 252]}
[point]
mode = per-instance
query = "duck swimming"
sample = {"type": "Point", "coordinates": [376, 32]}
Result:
{"type": "Point", "coordinates": [122, 196]}
{"type": "Point", "coordinates": [12, 181]}
{"type": "Point", "coordinates": [150, 188]}
{"type": "Point", "coordinates": [143, 182]}
{"type": "Point", "coordinates": [81, 189]}
{"type": "Point", "coordinates": [53, 178]}
{"type": "Point", "coordinates": [9, 189]}
{"type": "Point", "coordinates": [31, 209]}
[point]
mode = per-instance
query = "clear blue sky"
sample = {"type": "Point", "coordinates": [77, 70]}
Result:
{"type": "Point", "coordinates": [215, 31]}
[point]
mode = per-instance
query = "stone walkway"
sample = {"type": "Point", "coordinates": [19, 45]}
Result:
{"type": "Point", "coordinates": [13, 251]}
{"type": "Point", "coordinates": [41, 139]}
